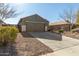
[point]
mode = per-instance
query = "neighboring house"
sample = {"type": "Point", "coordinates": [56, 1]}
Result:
{"type": "Point", "coordinates": [6, 24]}
{"type": "Point", "coordinates": [59, 25]}
{"type": "Point", "coordinates": [2, 23]}
{"type": "Point", "coordinates": [33, 23]}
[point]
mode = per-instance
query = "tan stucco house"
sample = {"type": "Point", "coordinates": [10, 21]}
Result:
{"type": "Point", "coordinates": [33, 23]}
{"type": "Point", "coordinates": [59, 25]}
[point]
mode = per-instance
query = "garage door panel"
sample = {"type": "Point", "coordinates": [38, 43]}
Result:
{"type": "Point", "coordinates": [35, 27]}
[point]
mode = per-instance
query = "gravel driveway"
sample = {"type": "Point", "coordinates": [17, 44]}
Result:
{"type": "Point", "coordinates": [55, 41]}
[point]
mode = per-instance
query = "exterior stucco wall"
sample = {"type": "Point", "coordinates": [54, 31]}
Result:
{"type": "Point", "coordinates": [58, 27]}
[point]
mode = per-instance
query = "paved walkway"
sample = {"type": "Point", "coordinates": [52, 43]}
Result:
{"type": "Point", "coordinates": [59, 43]}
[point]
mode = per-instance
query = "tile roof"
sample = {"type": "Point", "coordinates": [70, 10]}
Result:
{"type": "Point", "coordinates": [58, 23]}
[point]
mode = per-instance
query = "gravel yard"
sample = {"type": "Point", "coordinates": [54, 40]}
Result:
{"type": "Point", "coordinates": [27, 45]}
{"type": "Point", "coordinates": [72, 35]}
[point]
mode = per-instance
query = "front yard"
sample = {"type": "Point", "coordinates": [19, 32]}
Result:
{"type": "Point", "coordinates": [27, 45]}
{"type": "Point", "coordinates": [15, 43]}
{"type": "Point", "coordinates": [72, 35]}
{"type": "Point", "coordinates": [35, 43]}
{"type": "Point", "coordinates": [40, 43]}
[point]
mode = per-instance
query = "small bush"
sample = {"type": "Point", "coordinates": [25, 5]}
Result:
{"type": "Point", "coordinates": [7, 34]}
{"type": "Point", "coordinates": [61, 31]}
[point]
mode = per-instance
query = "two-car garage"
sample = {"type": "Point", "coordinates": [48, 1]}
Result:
{"type": "Point", "coordinates": [33, 24]}
{"type": "Point", "coordinates": [34, 27]}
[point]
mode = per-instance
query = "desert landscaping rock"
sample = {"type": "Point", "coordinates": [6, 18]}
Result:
{"type": "Point", "coordinates": [72, 35]}
{"type": "Point", "coordinates": [27, 45]}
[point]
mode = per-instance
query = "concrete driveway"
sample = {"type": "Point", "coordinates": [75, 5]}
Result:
{"type": "Point", "coordinates": [57, 42]}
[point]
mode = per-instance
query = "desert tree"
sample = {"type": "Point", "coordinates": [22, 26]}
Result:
{"type": "Point", "coordinates": [6, 11]}
{"type": "Point", "coordinates": [69, 16]}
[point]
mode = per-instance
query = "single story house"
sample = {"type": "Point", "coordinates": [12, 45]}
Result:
{"type": "Point", "coordinates": [33, 23]}
{"type": "Point", "coordinates": [59, 25]}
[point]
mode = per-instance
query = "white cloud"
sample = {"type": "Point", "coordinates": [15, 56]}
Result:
{"type": "Point", "coordinates": [12, 20]}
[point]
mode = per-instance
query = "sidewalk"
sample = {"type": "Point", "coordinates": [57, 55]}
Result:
{"type": "Point", "coordinates": [72, 51]}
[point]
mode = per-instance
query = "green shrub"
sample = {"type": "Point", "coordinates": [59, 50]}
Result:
{"type": "Point", "coordinates": [7, 34]}
{"type": "Point", "coordinates": [61, 31]}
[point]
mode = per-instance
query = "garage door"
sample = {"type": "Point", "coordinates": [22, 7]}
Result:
{"type": "Point", "coordinates": [35, 27]}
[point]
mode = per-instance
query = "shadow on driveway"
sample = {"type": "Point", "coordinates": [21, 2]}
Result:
{"type": "Point", "coordinates": [26, 35]}
{"type": "Point", "coordinates": [47, 35]}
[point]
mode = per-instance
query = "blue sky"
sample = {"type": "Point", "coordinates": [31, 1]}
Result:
{"type": "Point", "coordinates": [49, 11]}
